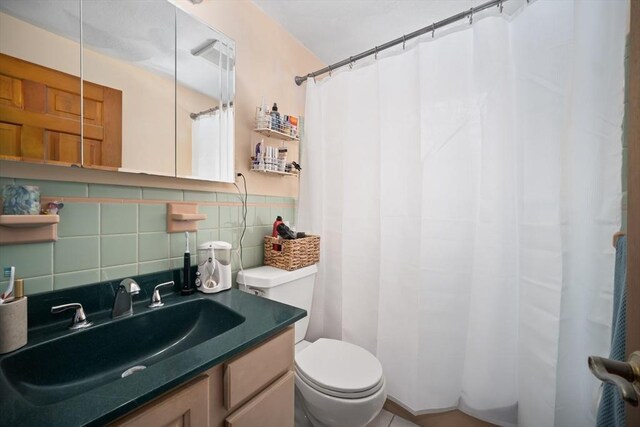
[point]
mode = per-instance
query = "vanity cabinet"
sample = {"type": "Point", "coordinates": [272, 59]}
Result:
{"type": "Point", "coordinates": [253, 388]}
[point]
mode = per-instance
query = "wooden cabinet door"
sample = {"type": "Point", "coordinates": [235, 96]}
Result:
{"type": "Point", "coordinates": [249, 373]}
{"type": "Point", "coordinates": [186, 407]}
{"type": "Point", "coordinates": [271, 408]}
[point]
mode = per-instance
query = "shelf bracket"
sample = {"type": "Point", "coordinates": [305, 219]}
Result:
{"type": "Point", "coordinates": [183, 217]}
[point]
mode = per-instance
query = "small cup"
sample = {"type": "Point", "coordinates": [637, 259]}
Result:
{"type": "Point", "coordinates": [21, 200]}
{"type": "Point", "coordinates": [13, 325]}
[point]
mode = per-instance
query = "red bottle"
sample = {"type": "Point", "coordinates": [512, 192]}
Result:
{"type": "Point", "coordinates": [274, 233]}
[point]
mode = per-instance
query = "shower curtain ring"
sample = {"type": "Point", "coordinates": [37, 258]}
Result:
{"type": "Point", "coordinates": [471, 16]}
{"type": "Point", "coordinates": [403, 41]}
{"type": "Point", "coordinates": [376, 55]}
{"type": "Point", "coordinates": [500, 6]}
{"type": "Point", "coordinates": [433, 30]}
{"type": "Point", "coordinates": [351, 62]}
{"type": "Point", "coordinates": [330, 71]}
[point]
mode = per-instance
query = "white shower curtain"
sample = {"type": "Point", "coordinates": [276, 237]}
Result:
{"type": "Point", "coordinates": [466, 192]}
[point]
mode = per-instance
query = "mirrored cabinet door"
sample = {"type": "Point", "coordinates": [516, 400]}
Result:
{"type": "Point", "coordinates": [205, 92]}
{"type": "Point", "coordinates": [40, 101]}
{"type": "Point", "coordinates": [129, 78]}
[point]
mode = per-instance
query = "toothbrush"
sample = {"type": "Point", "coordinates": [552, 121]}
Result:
{"type": "Point", "coordinates": [9, 272]}
{"type": "Point", "coordinates": [187, 289]}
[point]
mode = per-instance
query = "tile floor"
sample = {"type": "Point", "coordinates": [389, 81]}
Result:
{"type": "Point", "coordinates": [387, 419]}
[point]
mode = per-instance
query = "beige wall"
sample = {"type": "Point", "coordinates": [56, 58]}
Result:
{"type": "Point", "coordinates": [268, 58]}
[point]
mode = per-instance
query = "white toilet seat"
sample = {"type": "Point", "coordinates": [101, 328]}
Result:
{"type": "Point", "coordinates": [339, 369]}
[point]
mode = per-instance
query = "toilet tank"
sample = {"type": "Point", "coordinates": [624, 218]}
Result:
{"type": "Point", "coordinates": [288, 287]}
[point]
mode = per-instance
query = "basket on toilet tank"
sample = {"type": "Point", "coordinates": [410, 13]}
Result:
{"type": "Point", "coordinates": [292, 254]}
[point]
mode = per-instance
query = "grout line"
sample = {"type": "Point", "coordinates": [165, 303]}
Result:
{"type": "Point", "coordinates": [160, 202]}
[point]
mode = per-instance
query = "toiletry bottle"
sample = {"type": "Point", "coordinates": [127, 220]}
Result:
{"type": "Point", "coordinates": [187, 289]}
{"type": "Point", "coordinates": [275, 117]}
{"type": "Point", "coordinates": [274, 233]}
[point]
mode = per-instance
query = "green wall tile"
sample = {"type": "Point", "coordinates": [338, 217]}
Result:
{"type": "Point", "coordinates": [37, 285]}
{"type": "Point", "coordinates": [76, 253]}
{"type": "Point", "coordinates": [118, 218]}
{"type": "Point", "coordinates": [30, 260]}
{"type": "Point", "coordinates": [179, 262]}
{"type": "Point", "coordinates": [161, 194]}
{"type": "Point", "coordinates": [177, 244]}
{"type": "Point", "coordinates": [263, 216]}
{"type": "Point", "coordinates": [152, 217]}
{"type": "Point", "coordinates": [231, 235]}
{"type": "Point", "coordinates": [229, 216]}
{"type": "Point", "coordinates": [118, 250]}
{"type": "Point", "coordinates": [229, 197]}
{"type": "Point", "coordinates": [77, 278]}
{"type": "Point", "coordinates": [251, 198]}
{"type": "Point", "coordinates": [153, 266]}
{"type": "Point", "coordinates": [153, 246]}
{"type": "Point", "coordinates": [251, 216]}
{"type": "Point", "coordinates": [114, 191]}
{"type": "Point", "coordinates": [251, 257]}
{"type": "Point", "coordinates": [199, 196]}
{"type": "Point", "coordinates": [204, 236]}
{"type": "Point", "coordinates": [79, 219]}
{"type": "Point", "coordinates": [57, 188]}
{"type": "Point", "coordinates": [253, 237]}
{"type": "Point", "coordinates": [118, 272]}
{"type": "Point", "coordinates": [212, 217]}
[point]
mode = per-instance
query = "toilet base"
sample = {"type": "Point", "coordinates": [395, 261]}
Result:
{"type": "Point", "coordinates": [321, 410]}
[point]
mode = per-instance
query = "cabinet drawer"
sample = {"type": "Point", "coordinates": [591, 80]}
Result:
{"type": "Point", "coordinates": [188, 406]}
{"type": "Point", "coordinates": [271, 408]}
{"type": "Point", "coordinates": [249, 373]}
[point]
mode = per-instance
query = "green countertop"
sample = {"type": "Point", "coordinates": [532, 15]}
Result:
{"type": "Point", "coordinates": [263, 319]}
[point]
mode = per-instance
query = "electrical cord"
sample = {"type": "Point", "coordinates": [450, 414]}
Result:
{"type": "Point", "coordinates": [244, 217]}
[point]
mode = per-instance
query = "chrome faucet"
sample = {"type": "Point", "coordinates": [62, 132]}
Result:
{"type": "Point", "coordinates": [79, 319]}
{"type": "Point", "coordinates": [122, 305]}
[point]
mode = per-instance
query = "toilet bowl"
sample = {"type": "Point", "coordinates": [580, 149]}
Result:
{"type": "Point", "coordinates": [338, 384]}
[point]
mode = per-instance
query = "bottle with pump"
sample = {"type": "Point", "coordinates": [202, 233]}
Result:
{"type": "Point", "coordinates": [187, 288]}
{"type": "Point", "coordinates": [275, 118]}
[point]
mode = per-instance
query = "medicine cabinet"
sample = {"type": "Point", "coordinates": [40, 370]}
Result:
{"type": "Point", "coordinates": [152, 86]}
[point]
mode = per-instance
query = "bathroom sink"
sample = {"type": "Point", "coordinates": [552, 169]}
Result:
{"type": "Point", "coordinates": [80, 361]}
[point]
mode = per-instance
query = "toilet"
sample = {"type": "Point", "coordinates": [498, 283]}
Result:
{"type": "Point", "coordinates": [338, 384]}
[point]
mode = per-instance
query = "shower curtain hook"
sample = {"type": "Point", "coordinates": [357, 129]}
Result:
{"type": "Point", "coordinates": [471, 16]}
{"type": "Point", "coordinates": [500, 6]}
{"type": "Point", "coordinates": [330, 71]}
{"type": "Point", "coordinates": [376, 55]}
{"type": "Point", "coordinates": [433, 30]}
{"type": "Point", "coordinates": [403, 41]}
{"type": "Point", "coordinates": [351, 62]}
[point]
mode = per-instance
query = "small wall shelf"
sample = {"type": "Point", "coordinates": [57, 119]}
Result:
{"type": "Point", "coordinates": [15, 229]}
{"type": "Point", "coordinates": [270, 133]}
{"type": "Point", "coordinates": [274, 172]}
{"type": "Point", "coordinates": [183, 217]}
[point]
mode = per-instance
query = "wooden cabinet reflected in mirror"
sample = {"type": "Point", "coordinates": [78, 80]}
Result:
{"type": "Point", "coordinates": [40, 117]}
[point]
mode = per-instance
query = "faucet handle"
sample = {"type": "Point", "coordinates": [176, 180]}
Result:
{"type": "Point", "coordinates": [156, 301]}
{"type": "Point", "coordinates": [79, 319]}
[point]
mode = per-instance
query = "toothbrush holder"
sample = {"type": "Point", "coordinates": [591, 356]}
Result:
{"type": "Point", "coordinates": [13, 325]}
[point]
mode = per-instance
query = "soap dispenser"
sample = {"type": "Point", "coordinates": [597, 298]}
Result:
{"type": "Point", "coordinates": [275, 118]}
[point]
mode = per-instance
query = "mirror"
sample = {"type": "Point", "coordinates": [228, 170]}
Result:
{"type": "Point", "coordinates": [158, 86]}
{"type": "Point", "coordinates": [40, 67]}
{"type": "Point", "coordinates": [204, 101]}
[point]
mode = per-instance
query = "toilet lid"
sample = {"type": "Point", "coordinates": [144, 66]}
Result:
{"type": "Point", "coordinates": [340, 367]}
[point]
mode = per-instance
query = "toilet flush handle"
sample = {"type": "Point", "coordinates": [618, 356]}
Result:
{"type": "Point", "coordinates": [255, 291]}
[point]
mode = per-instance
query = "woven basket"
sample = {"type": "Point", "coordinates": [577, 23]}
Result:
{"type": "Point", "coordinates": [294, 254]}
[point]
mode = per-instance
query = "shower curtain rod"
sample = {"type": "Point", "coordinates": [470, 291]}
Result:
{"type": "Point", "coordinates": [431, 28]}
{"type": "Point", "coordinates": [210, 110]}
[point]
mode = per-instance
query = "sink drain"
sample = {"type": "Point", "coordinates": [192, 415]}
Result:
{"type": "Point", "coordinates": [132, 370]}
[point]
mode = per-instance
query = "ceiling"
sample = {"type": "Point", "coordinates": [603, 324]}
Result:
{"type": "Point", "coordinates": [337, 29]}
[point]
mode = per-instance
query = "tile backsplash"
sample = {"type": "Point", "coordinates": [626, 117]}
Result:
{"type": "Point", "coordinates": [110, 232]}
